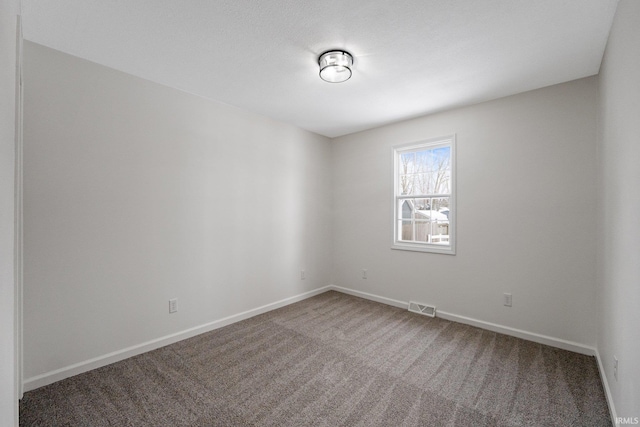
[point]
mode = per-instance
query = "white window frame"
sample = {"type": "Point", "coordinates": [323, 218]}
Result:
{"type": "Point", "coordinates": [449, 249]}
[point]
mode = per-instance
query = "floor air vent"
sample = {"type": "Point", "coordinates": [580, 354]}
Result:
{"type": "Point", "coordinates": [427, 310]}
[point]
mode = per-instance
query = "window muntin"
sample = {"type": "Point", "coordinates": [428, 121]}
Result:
{"type": "Point", "coordinates": [424, 211]}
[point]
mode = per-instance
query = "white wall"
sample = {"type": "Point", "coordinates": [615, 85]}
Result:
{"type": "Point", "coordinates": [619, 237]}
{"type": "Point", "coordinates": [526, 213]}
{"type": "Point", "coordinates": [136, 193]}
{"type": "Point", "coordinates": [8, 392]}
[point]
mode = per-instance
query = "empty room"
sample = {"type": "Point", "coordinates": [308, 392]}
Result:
{"type": "Point", "coordinates": [320, 213]}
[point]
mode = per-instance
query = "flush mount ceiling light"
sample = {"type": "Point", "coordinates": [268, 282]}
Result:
{"type": "Point", "coordinates": [335, 66]}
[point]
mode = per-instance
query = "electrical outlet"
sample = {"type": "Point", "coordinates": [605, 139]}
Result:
{"type": "Point", "coordinates": [303, 275]}
{"type": "Point", "coordinates": [615, 368]}
{"type": "Point", "coordinates": [364, 274]}
{"type": "Point", "coordinates": [173, 305]}
{"type": "Point", "coordinates": [507, 300]}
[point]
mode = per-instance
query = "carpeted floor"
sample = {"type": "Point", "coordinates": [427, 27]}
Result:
{"type": "Point", "coordinates": [333, 360]}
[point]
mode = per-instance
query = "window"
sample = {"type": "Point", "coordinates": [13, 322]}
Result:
{"type": "Point", "coordinates": [424, 196]}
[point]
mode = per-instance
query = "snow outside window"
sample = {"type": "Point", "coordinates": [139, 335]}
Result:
{"type": "Point", "coordinates": [424, 196]}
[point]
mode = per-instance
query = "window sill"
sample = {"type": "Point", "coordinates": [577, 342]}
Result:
{"type": "Point", "coordinates": [435, 249]}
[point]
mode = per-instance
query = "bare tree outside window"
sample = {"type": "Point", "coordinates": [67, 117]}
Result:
{"type": "Point", "coordinates": [423, 193]}
{"type": "Point", "coordinates": [426, 172]}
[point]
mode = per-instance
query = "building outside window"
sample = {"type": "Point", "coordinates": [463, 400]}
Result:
{"type": "Point", "coordinates": [424, 196]}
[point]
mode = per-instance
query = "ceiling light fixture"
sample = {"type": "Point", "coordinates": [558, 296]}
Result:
{"type": "Point", "coordinates": [335, 66]}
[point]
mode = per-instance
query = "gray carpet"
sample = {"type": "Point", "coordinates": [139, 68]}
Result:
{"type": "Point", "coordinates": [333, 360]}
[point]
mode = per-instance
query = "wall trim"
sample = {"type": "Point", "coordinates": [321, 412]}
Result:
{"type": "Point", "coordinates": [371, 297]}
{"type": "Point", "coordinates": [116, 356]}
{"type": "Point", "coordinates": [518, 333]}
{"type": "Point", "coordinates": [607, 390]}
{"type": "Point", "coordinates": [18, 242]}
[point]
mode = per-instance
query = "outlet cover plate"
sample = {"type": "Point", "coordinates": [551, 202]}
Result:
{"type": "Point", "coordinates": [173, 305]}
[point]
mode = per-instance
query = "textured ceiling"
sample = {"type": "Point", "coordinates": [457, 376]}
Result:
{"type": "Point", "coordinates": [412, 57]}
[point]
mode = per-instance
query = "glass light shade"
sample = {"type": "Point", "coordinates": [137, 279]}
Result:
{"type": "Point", "coordinates": [335, 66]}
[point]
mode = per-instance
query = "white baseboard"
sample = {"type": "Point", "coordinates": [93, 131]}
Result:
{"type": "Point", "coordinates": [371, 297]}
{"type": "Point", "coordinates": [116, 356]}
{"type": "Point", "coordinates": [607, 390]}
{"type": "Point", "coordinates": [107, 359]}
{"type": "Point", "coordinates": [530, 336]}
{"type": "Point", "coordinates": [519, 333]}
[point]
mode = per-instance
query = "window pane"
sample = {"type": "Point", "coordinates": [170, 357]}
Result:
{"type": "Point", "coordinates": [405, 208]}
{"type": "Point", "coordinates": [425, 172]}
{"type": "Point", "coordinates": [439, 182]}
{"type": "Point", "coordinates": [440, 217]}
{"type": "Point", "coordinates": [421, 184]}
{"type": "Point", "coordinates": [405, 231]}
{"type": "Point", "coordinates": [424, 220]}
{"type": "Point", "coordinates": [423, 231]}
{"type": "Point", "coordinates": [422, 204]}
{"type": "Point", "coordinates": [441, 204]}
{"type": "Point", "coordinates": [407, 162]}
{"type": "Point", "coordinates": [406, 173]}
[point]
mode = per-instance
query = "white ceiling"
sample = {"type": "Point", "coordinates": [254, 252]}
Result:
{"type": "Point", "coordinates": [412, 57]}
